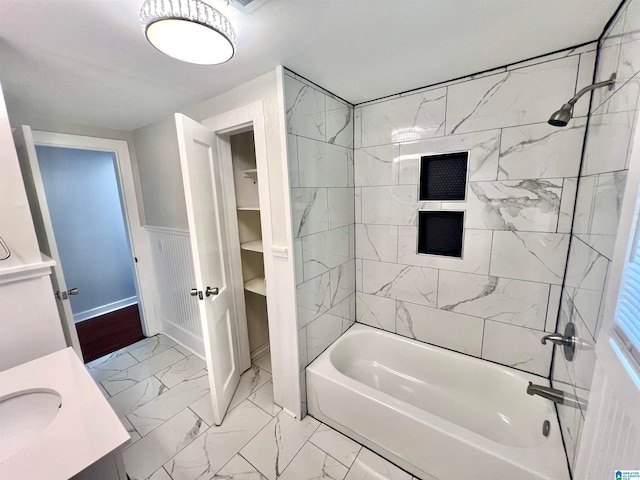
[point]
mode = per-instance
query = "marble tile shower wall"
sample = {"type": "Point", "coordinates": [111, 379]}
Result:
{"type": "Point", "coordinates": [320, 151]}
{"type": "Point", "coordinates": [503, 295]}
{"type": "Point", "coordinates": [600, 192]}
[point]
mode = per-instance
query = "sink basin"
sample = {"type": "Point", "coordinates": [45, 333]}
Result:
{"type": "Point", "coordinates": [23, 416]}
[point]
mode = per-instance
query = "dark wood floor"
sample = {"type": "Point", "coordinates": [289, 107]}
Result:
{"type": "Point", "coordinates": [109, 332]}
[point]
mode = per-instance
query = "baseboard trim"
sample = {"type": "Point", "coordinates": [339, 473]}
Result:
{"type": "Point", "coordinates": [104, 309]}
{"type": "Point", "coordinates": [258, 352]}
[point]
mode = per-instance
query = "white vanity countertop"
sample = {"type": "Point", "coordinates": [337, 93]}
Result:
{"type": "Point", "coordinates": [84, 430]}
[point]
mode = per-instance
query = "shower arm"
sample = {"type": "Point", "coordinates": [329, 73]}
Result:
{"type": "Point", "coordinates": [607, 83]}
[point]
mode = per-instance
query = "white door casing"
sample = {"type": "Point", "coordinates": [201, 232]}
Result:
{"type": "Point", "coordinates": [283, 331]}
{"type": "Point", "coordinates": [205, 203]}
{"type": "Point", "coordinates": [25, 147]}
{"type": "Point", "coordinates": [25, 141]}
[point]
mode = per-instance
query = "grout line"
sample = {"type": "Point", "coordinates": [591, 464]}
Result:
{"type": "Point", "coordinates": [162, 468]}
{"type": "Point", "coordinates": [465, 273]}
{"type": "Point", "coordinates": [446, 108]}
{"type": "Point", "coordinates": [562, 194]}
{"type": "Point", "coordinates": [327, 453]}
{"type": "Point", "coordinates": [246, 459]}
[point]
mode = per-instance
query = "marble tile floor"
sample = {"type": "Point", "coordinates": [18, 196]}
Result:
{"type": "Point", "coordinates": [160, 392]}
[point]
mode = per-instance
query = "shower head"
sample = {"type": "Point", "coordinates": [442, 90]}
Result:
{"type": "Point", "coordinates": [561, 117]}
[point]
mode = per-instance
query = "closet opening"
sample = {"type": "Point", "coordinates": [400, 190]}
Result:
{"type": "Point", "coordinates": [247, 199]}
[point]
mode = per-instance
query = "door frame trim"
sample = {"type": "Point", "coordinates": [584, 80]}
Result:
{"type": "Point", "coordinates": [252, 116]}
{"type": "Point", "coordinates": [130, 211]}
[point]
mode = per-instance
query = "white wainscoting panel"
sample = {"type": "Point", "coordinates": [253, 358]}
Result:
{"type": "Point", "coordinates": [172, 263]}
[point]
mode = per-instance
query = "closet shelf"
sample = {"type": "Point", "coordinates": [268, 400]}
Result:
{"type": "Point", "coordinates": [249, 209]}
{"type": "Point", "coordinates": [255, 246]}
{"type": "Point", "coordinates": [257, 285]}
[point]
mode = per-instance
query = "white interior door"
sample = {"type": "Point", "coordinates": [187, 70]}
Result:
{"type": "Point", "coordinates": [26, 150]}
{"type": "Point", "coordinates": [210, 246]}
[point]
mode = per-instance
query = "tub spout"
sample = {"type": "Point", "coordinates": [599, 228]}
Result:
{"type": "Point", "coordinates": [552, 394]}
{"type": "Point", "coordinates": [558, 339]}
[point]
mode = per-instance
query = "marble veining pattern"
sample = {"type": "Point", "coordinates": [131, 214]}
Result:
{"type": "Point", "coordinates": [326, 329]}
{"type": "Point", "coordinates": [309, 210]}
{"type": "Point", "coordinates": [455, 331]}
{"type": "Point", "coordinates": [256, 441]}
{"type": "Point", "coordinates": [134, 374]}
{"type": "Point", "coordinates": [377, 242]}
{"type": "Point", "coordinates": [339, 122]}
{"type": "Point", "coordinates": [539, 257]}
{"type": "Point", "coordinates": [376, 311]}
{"type": "Point", "coordinates": [158, 410]}
{"type": "Point", "coordinates": [402, 282]}
{"type": "Point", "coordinates": [483, 150]}
{"type": "Point", "coordinates": [323, 164]}
{"type": "Point", "coordinates": [305, 109]}
{"type": "Point", "coordinates": [597, 208]}
{"type": "Point", "coordinates": [510, 301]}
{"type": "Point", "coordinates": [411, 117]}
{"type": "Point", "coordinates": [516, 97]}
{"type": "Point", "coordinates": [541, 151]}
{"type": "Point", "coordinates": [326, 250]}
{"type": "Point", "coordinates": [311, 462]}
{"type": "Point", "coordinates": [320, 149]}
{"type": "Point", "coordinates": [476, 252]}
{"type": "Point", "coordinates": [376, 165]}
{"type": "Point", "coordinates": [521, 191]}
{"type": "Point", "coordinates": [516, 347]}
{"type": "Point", "coordinates": [393, 205]}
{"type": "Point", "coordinates": [607, 142]}
{"type": "Point", "coordinates": [567, 205]}
{"type": "Point", "coordinates": [526, 205]}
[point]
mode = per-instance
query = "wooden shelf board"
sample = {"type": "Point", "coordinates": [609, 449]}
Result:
{"type": "Point", "coordinates": [257, 285]}
{"type": "Point", "coordinates": [255, 246]}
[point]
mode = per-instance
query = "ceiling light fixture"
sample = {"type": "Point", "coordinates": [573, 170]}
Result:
{"type": "Point", "coordinates": [189, 30]}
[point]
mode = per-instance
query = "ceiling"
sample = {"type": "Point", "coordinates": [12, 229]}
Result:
{"type": "Point", "coordinates": [87, 62]}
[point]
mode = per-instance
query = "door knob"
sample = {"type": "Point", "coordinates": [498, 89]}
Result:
{"type": "Point", "coordinates": [73, 291]}
{"type": "Point", "coordinates": [196, 293]}
{"type": "Point", "coordinates": [212, 291]}
{"type": "Point", "coordinates": [61, 295]}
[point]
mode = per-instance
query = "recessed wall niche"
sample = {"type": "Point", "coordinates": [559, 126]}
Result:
{"type": "Point", "coordinates": [440, 233]}
{"type": "Point", "coordinates": [443, 177]}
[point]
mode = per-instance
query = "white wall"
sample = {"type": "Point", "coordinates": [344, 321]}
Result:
{"type": "Point", "coordinates": [154, 172]}
{"type": "Point", "coordinates": [160, 175]}
{"type": "Point", "coordinates": [16, 226]}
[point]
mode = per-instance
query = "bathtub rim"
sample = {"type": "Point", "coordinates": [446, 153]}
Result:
{"type": "Point", "coordinates": [323, 367]}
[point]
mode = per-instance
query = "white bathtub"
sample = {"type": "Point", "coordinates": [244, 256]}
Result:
{"type": "Point", "coordinates": [435, 413]}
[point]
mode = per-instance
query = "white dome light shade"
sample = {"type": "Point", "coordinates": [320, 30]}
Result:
{"type": "Point", "coordinates": [189, 30]}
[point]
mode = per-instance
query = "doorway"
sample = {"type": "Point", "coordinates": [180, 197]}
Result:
{"type": "Point", "coordinates": [85, 207]}
{"type": "Point", "coordinates": [73, 202]}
